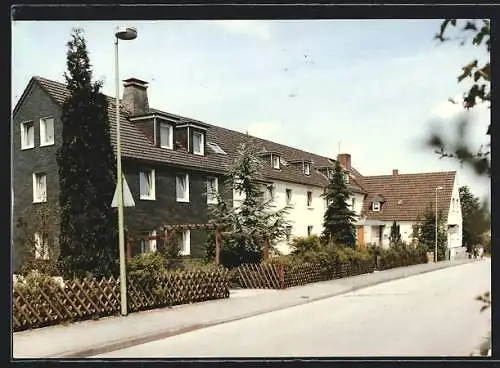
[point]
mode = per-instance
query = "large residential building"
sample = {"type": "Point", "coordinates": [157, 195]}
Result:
{"type": "Point", "coordinates": [169, 162]}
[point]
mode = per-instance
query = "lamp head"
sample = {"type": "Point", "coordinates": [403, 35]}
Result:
{"type": "Point", "coordinates": [126, 33]}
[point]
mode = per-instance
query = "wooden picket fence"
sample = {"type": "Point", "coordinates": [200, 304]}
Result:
{"type": "Point", "coordinates": [48, 303]}
{"type": "Point", "coordinates": [279, 276]}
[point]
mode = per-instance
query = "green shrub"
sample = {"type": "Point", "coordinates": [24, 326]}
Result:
{"type": "Point", "coordinates": [304, 244]}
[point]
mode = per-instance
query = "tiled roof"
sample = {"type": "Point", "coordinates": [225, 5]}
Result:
{"type": "Point", "coordinates": [407, 195]}
{"type": "Point", "coordinates": [136, 145]}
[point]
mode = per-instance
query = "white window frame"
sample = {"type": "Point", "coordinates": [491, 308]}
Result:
{"type": "Point", "coordinates": [288, 199]}
{"type": "Point", "coordinates": [43, 130]}
{"type": "Point", "coordinates": [39, 194]}
{"type": "Point", "coordinates": [185, 243]}
{"type": "Point", "coordinates": [24, 135]}
{"type": "Point", "coordinates": [170, 143]}
{"type": "Point", "coordinates": [186, 193]}
{"type": "Point", "coordinates": [307, 168]}
{"type": "Point", "coordinates": [309, 203]}
{"type": "Point", "coordinates": [376, 206]}
{"type": "Point", "coordinates": [202, 144]}
{"type": "Point", "coordinates": [152, 242]}
{"type": "Point", "coordinates": [150, 175]}
{"type": "Point", "coordinates": [346, 178]}
{"type": "Point", "coordinates": [211, 190]}
{"type": "Point", "coordinates": [275, 161]}
{"type": "Point", "coordinates": [41, 246]}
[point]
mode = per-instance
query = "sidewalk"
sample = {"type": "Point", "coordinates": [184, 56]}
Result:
{"type": "Point", "coordinates": [89, 338]}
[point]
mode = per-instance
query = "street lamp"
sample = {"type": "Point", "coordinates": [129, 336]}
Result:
{"type": "Point", "coordinates": [436, 227]}
{"type": "Point", "coordinates": [124, 34]}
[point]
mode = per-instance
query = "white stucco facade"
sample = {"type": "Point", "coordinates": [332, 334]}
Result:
{"type": "Point", "coordinates": [301, 216]}
{"type": "Point", "coordinates": [453, 225]}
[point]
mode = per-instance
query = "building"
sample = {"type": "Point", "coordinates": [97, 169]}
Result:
{"type": "Point", "coordinates": [405, 197]}
{"type": "Point", "coordinates": [170, 162]}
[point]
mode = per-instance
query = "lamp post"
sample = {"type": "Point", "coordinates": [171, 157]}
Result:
{"type": "Point", "coordinates": [436, 227]}
{"type": "Point", "coordinates": [124, 34]}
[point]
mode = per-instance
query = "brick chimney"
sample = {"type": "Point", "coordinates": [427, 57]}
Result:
{"type": "Point", "coordinates": [345, 160]}
{"type": "Point", "coordinates": [395, 172]}
{"type": "Point", "coordinates": [135, 96]}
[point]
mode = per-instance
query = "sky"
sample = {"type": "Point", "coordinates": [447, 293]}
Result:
{"type": "Point", "coordinates": [371, 88]}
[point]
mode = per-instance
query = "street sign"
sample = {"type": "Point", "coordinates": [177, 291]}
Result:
{"type": "Point", "coordinates": [128, 201]}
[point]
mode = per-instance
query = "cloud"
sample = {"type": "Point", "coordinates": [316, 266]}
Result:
{"type": "Point", "coordinates": [253, 28]}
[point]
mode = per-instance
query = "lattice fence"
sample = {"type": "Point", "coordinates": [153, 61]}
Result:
{"type": "Point", "coordinates": [260, 276]}
{"type": "Point", "coordinates": [48, 303]}
{"type": "Point", "coordinates": [277, 276]}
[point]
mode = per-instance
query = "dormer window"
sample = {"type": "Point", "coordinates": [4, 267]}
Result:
{"type": "Point", "coordinates": [329, 173]}
{"type": "Point", "coordinates": [307, 168]}
{"type": "Point", "coordinates": [346, 178]}
{"type": "Point", "coordinates": [166, 136]}
{"type": "Point", "coordinates": [198, 144]}
{"type": "Point", "coordinates": [275, 159]}
{"type": "Point", "coordinates": [376, 206]}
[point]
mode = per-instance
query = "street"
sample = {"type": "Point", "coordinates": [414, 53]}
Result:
{"type": "Point", "coordinates": [432, 314]}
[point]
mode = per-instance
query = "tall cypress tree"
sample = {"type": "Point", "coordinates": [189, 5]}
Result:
{"type": "Point", "coordinates": [88, 237]}
{"type": "Point", "coordinates": [338, 221]}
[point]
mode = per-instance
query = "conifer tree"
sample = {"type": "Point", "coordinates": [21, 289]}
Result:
{"type": "Point", "coordinates": [395, 236]}
{"type": "Point", "coordinates": [253, 219]}
{"type": "Point", "coordinates": [88, 236]}
{"type": "Point", "coordinates": [426, 232]}
{"type": "Point", "coordinates": [338, 221]}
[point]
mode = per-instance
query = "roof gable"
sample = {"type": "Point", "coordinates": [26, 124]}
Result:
{"type": "Point", "coordinates": [407, 195]}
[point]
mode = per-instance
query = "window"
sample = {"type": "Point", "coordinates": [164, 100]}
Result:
{"type": "Point", "coordinates": [216, 148]}
{"type": "Point", "coordinates": [41, 246]}
{"type": "Point", "coordinates": [198, 144]}
{"type": "Point", "coordinates": [152, 242]}
{"type": "Point", "coordinates": [288, 232]}
{"type": "Point", "coordinates": [346, 178]}
{"type": "Point", "coordinates": [376, 206]}
{"type": "Point", "coordinates": [166, 136]}
{"type": "Point", "coordinates": [353, 202]}
{"type": "Point", "coordinates": [182, 187]}
{"type": "Point", "coordinates": [329, 173]}
{"type": "Point", "coordinates": [39, 187]}
{"type": "Point", "coordinates": [27, 135]}
{"type": "Point", "coordinates": [276, 161]}
{"type": "Point", "coordinates": [212, 188]}
{"type": "Point", "coordinates": [288, 196]}
{"type": "Point", "coordinates": [147, 184]}
{"type": "Point", "coordinates": [46, 131]}
{"type": "Point", "coordinates": [309, 199]}
{"type": "Point", "coordinates": [186, 243]}
{"type": "Point", "coordinates": [270, 191]}
{"type": "Point", "coordinates": [307, 168]}
{"type": "Point", "coordinates": [309, 230]}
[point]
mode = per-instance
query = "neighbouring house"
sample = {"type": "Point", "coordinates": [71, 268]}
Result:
{"type": "Point", "coordinates": [169, 162]}
{"type": "Point", "coordinates": [405, 197]}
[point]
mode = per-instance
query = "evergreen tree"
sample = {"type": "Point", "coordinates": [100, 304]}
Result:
{"type": "Point", "coordinates": [88, 237]}
{"type": "Point", "coordinates": [395, 236]}
{"type": "Point", "coordinates": [475, 217]}
{"type": "Point", "coordinates": [425, 231]}
{"type": "Point", "coordinates": [338, 221]}
{"type": "Point", "coordinates": [254, 219]}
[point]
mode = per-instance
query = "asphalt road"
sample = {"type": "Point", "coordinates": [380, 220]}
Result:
{"type": "Point", "coordinates": [433, 314]}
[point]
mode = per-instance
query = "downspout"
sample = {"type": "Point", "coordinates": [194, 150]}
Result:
{"type": "Point", "coordinates": [188, 140]}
